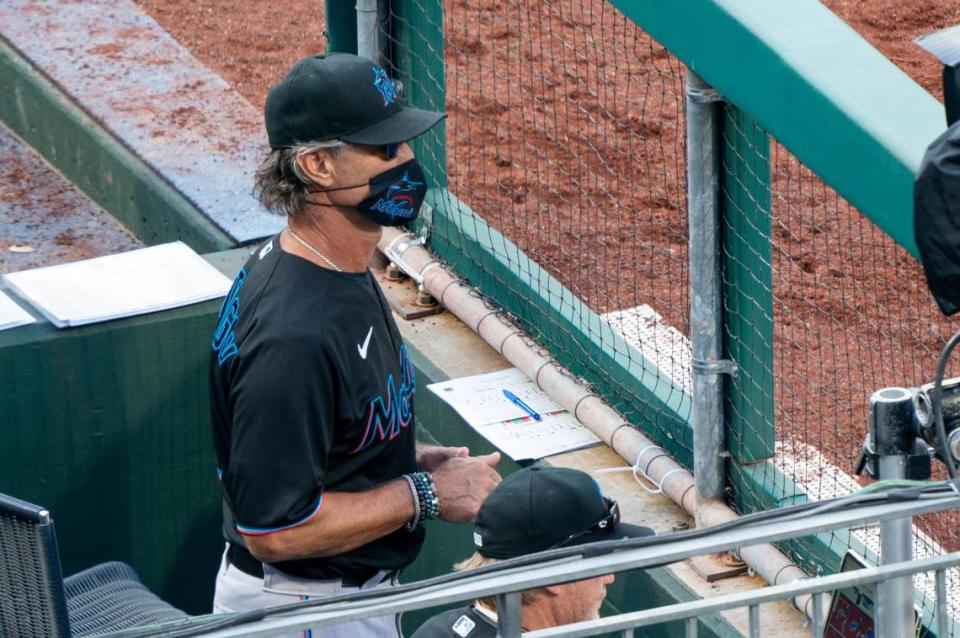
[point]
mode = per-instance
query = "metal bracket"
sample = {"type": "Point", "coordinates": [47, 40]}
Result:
{"type": "Point", "coordinates": [395, 250]}
{"type": "Point", "coordinates": [399, 245]}
{"type": "Point", "coordinates": [704, 96]}
{"type": "Point", "coordinates": [715, 366]}
{"type": "Point", "coordinates": [714, 567]}
{"type": "Point", "coordinates": [426, 222]}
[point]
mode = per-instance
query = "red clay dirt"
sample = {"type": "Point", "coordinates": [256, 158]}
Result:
{"type": "Point", "coordinates": [892, 25]}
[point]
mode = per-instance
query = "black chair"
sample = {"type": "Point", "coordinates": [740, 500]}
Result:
{"type": "Point", "coordinates": [35, 599]}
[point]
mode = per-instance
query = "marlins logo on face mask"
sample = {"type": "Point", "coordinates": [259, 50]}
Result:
{"type": "Point", "coordinates": [395, 195]}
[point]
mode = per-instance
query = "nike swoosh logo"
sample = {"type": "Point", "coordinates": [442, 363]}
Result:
{"type": "Point", "coordinates": [366, 342]}
{"type": "Point", "coordinates": [266, 249]}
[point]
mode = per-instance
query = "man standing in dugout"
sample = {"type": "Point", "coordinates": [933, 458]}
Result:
{"type": "Point", "coordinates": [325, 489]}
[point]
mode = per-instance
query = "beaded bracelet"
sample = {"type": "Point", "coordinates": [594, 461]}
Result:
{"type": "Point", "coordinates": [415, 521]}
{"type": "Point", "coordinates": [426, 504]}
{"type": "Point", "coordinates": [429, 502]}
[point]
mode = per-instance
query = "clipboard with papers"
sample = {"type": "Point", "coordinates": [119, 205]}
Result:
{"type": "Point", "coordinates": [122, 285]}
{"type": "Point", "coordinates": [509, 424]}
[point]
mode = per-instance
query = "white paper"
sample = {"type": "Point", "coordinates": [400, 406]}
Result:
{"type": "Point", "coordinates": [11, 314]}
{"type": "Point", "coordinates": [480, 401]}
{"type": "Point", "coordinates": [556, 433]}
{"type": "Point", "coordinates": [122, 285]}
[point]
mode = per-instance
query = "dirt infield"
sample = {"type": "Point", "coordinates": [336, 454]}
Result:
{"type": "Point", "coordinates": [251, 44]}
{"type": "Point", "coordinates": [892, 26]}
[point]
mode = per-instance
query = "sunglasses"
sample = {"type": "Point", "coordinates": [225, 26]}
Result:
{"type": "Point", "coordinates": [606, 524]}
{"type": "Point", "coordinates": [386, 151]}
{"type": "Point", "coordinates": [390, 150]}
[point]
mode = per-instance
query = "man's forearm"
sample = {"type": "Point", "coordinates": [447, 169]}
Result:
{"type": "Point", "coordinates": [345, 521]}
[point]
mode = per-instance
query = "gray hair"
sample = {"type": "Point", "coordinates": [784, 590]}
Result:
{"type": "Point", "coordinates": [280, 184]}
{"type": "Point", "coordinates": [478, 560]}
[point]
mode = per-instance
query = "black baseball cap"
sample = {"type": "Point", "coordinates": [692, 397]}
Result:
{"type": "Point", "coordinates": [340, 96]}
{"type": "Point", "coordinates": [540, 507]}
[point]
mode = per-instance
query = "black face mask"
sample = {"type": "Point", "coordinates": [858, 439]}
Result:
{"type": "Point", "coordinates": [395, 195]}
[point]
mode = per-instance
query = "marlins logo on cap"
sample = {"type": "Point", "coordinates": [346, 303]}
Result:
{"type": "Point", "coordinates": [385, 85]}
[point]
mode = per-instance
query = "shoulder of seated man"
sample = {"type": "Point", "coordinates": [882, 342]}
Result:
{"type": "Point", "coordinates": [457, 623]}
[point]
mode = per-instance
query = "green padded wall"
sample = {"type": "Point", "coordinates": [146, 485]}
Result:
{"type": "Point", "coordinates": [107, 427]}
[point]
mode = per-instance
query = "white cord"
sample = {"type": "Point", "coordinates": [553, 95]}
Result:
{"type": "Point", "coordinates": [640, 475]}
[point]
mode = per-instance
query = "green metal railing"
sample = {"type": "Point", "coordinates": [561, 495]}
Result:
{"type": "Point", "coordinates": [817, 128]}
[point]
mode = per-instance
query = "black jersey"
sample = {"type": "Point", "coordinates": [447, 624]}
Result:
{"type": "Point", "coordinates": [465, 622]}
{"type": "Point", "coordinates": [311, 390]}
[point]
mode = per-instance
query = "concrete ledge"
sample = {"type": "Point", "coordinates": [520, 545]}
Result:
{"type": "Point", "coordinates": [103, 78]}
{"type": "Point", "coordinates": [106, 170]}
{"type": "Point", "coordinates": [41, 209]}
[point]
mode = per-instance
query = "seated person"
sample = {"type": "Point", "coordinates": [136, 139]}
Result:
{"type": "Point", "coordinates": [532, 510]}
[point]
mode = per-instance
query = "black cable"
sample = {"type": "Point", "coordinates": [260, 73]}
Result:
{"type": "Point", "coordinates": [583, 551]}
{"type": "Point", "coordinates": [938, 407]}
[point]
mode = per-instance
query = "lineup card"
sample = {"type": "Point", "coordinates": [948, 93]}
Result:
{"type": "Point", "coordinates": [482, 404]}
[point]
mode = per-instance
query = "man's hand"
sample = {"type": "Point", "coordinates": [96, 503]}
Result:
{"type": "Point", "coordinates": [462, 485]}
{"type": "Point", "coordinates": [430, 457]}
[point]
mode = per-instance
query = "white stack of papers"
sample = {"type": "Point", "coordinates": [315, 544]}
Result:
{"type": "Point", "coordinates": [11, 314]}
{"type": "Point", "coordinates": [123, 285]}
{"type": "Point", "coordinates": [484, 405]}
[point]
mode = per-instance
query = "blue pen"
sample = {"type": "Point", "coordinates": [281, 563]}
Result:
{"type": "Point", "coordinates": [520, 404]}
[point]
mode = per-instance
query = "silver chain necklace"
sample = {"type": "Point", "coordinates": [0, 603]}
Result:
{"type": "Point", "coordinates": [314, 250]}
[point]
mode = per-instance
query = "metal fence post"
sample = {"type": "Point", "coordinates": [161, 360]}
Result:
{"type": "Point", "coordinates": [891, 428]}
{"type": "Point", "coordinates": [415, 56]}
{"type": "Point", "coordinates": [368, 30]}
{"type": "Point", "coordinates": [509, 614]}
{"type": "Point", "coordinates": [341, 28]}
{"type": "Point", "coordinates": [706, 318]}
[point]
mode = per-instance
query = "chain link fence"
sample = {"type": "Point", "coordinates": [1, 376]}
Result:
{"type": "Point", "coordinates": [566, 137]}
{"type": "Point", "coordinates": [851, 315]}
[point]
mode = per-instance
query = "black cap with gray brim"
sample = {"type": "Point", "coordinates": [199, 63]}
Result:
{"type": "Point", "coordinates": [341, 96]}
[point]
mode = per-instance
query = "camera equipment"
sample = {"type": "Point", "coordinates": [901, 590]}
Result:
{"type": "Point", "coordinates": [946, 446]}
{"type": "Point", "coordinates": [915, 423]}
{"type": "Point", "coordinates": [897, 417]}
{"type": "Point", "coordinates": [908, 426]}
